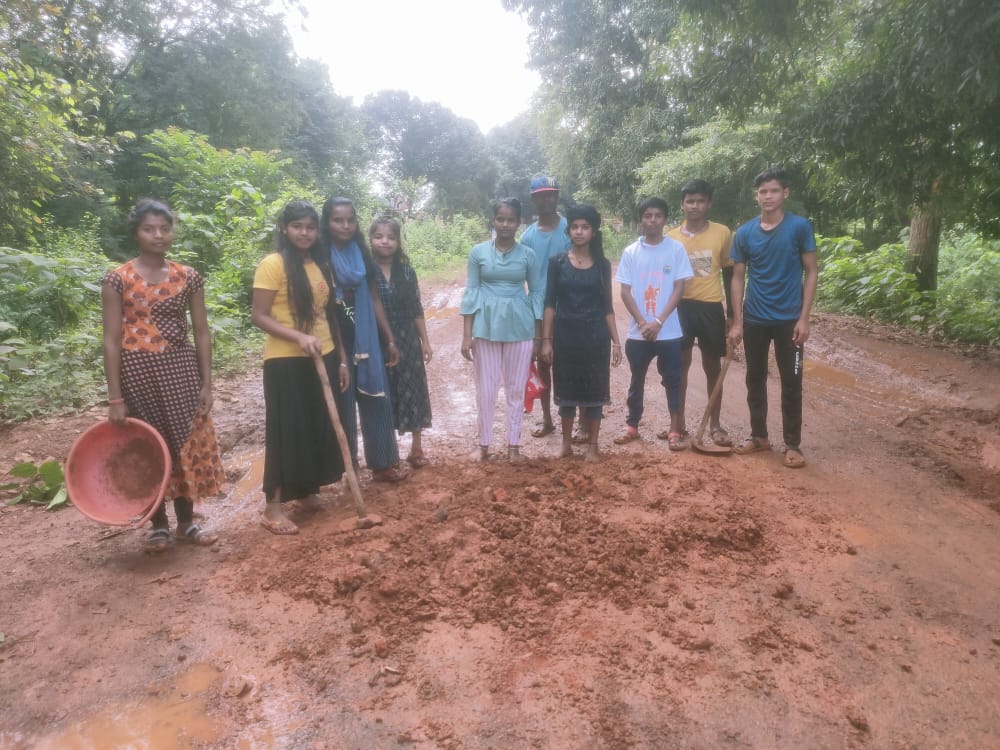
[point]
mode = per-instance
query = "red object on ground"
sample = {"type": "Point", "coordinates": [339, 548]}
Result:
{"type": "Point", "coordinates": [534, 388]}
{"type": "Point", "coordinates": [118, 474]}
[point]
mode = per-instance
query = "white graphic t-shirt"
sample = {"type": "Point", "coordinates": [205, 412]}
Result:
{"type": "Point", "coordinates": [651, 271]}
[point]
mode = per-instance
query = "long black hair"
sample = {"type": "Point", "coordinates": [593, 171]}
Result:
{"type": "Point", "coordinates": [300, 294]}
{"type": "Point", "coordinates": [589, 214]}
{"type": "Point", "coordinates": [359, 237]}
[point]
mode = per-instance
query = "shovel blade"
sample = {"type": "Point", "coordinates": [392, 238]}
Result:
{"type": "Point", "coordinates": [711, 449]}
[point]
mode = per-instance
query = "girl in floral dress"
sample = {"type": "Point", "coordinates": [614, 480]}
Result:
{"type": "Point", "coordinates": [154, 372]}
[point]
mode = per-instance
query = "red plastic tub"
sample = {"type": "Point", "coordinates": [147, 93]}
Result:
{"type": "Point", "coordinates": [118, 474]}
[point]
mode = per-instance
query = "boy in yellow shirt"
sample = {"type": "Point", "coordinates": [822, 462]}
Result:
{"type": "Point", "coordinates": [701, 310]}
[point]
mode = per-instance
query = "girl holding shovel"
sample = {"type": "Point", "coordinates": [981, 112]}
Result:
{"type": "Point", "coordinates": [292, 288]}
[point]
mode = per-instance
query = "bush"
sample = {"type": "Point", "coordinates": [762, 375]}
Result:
{"type": "Point", "coordinates": [966, 306]}
{"type": "Point", "coordinates": [968, 296]}
{"type": "Point", "coordinates": [616, 242]}
{"type": "Point", "coordinates": [436, 246]}
{"type": "Point", "coordinates": [872, 284]}
{"type": "Point", "coordinates": [50, 324]}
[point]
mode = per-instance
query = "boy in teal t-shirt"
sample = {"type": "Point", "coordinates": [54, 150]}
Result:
{"type": "Point", "coordinates": [547, 237]}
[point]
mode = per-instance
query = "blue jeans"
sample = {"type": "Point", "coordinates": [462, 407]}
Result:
{"type": "Point", "coordinates": [639, 354]}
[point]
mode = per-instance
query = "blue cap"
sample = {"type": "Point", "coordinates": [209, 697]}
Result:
{"type": "Point", "coordinates": [542, 183]}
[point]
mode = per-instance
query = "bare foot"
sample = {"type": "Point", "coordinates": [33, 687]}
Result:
{"type": "Point", "coordinates": [565, 451]}
{"type": "Point", "coordinates": [592, 453]}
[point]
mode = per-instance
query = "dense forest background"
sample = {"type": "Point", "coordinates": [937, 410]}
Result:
{"type": "Point", "coordinates": [885, 113]}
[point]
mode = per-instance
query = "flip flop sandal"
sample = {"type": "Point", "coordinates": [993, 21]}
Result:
{"type": "Point", "coordinates": [394, 474]}
{"type": "Point", "coordinates": [157, 541]}
{"type": "Point", "coordinates": [628, 436]}
{"type": "Point", "coordinates": [720, 437]}
{"type": "Point", "coordinates": [794, 458]}
{"type": "Point", "coordinates": [677, 441]}
{"type": "Point", "coordinates": [283, 527]}
{"type": "Point", "coordinates": [196, 535]}
{"type": "Point", "coordinates": [752, 445]}
{"type": "Point", "coordinates": [542, 430]}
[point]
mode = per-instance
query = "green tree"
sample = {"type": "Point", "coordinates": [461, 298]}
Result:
{"type": "Point", "coordinates": [606, 65]}
{"type": "Point", "coordinates": [224, 68]}
{"type": "Point", "coordinates": [727, 156]}
{"type": "Point", "coordinates": [889, 106]}
{"type": "Point", "coordinates": [425, 141]}
{"type": "Point", "coordinates": [40, 146]}
{"type": "Point", "coordinates": [517, 152]}
{"type": "Point", "coordinates": [908, 113]}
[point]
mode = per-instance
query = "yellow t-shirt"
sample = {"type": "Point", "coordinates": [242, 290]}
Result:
{"type": "Point", "coordinates": [270, 275]}
{"type": "Point", "coordinates": [708, 252]}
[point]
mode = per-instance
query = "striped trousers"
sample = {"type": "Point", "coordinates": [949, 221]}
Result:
{"type": "Point", "coordinates": [495, 363]}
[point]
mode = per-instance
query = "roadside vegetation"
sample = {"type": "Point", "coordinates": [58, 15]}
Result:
{"type": "Point", "coordinates": [873, 284]}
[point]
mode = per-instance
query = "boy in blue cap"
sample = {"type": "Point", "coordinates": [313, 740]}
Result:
{"type": "Point", "coordinates": [547, 237]}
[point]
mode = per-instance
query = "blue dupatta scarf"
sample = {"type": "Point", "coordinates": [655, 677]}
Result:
{"type": "Point", "coordinates": [349, 273]}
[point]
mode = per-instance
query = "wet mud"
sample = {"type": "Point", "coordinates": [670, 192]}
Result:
{"type": "Point", "coordinates": [650, 600]}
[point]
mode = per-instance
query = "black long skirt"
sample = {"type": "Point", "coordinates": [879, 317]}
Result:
{"type": "Point", "coordinates": [581, 363]}
{"type": "Point", "coordinates": [301, 452]}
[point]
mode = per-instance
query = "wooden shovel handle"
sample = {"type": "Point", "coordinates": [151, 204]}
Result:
{"type": "Point", "coordinates": [716, 392]}
{"type": "Point", "coordinates": [338, 428]}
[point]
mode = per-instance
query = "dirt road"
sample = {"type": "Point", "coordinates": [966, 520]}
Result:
{"type": "Point", "coordinates": [654, 600]}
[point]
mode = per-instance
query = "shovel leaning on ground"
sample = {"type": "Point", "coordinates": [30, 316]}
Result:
{"type": "Point", "coordinates": [364, 521]}
{"type": "Point", "coordinates": [698, 444]}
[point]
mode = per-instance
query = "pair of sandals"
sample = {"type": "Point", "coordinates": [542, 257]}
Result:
{"type": "Point", "coordinates": [543, 429]}
{"type": "Point", "coordinates": [580, 435]}
{"type": "Point", "coordinates": [393, 475]}
{"type": "Point", "coordinates": [680, 441]}
{"type": "Point", "coordinates": [629, 435]}
{"type": "Point", "coordinates": [160, 540]}
{"type": "Point", "coordinates": [417, 461]}
{"type": "Point", "coordinates": [794, 459]}
{"type": "Point", "coordinates": [676, 441]}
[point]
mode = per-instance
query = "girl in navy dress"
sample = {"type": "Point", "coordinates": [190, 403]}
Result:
{"type": "Point", "coordinates": [400, 295]}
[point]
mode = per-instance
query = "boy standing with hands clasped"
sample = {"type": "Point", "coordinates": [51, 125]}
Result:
{"type": "Point", "coordinates": [652, 272]}
{"type": "Point", "coordinates": [778, 252]}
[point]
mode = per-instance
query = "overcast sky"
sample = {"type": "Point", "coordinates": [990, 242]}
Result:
{"type": "Point", "coordinates": [469, 55]}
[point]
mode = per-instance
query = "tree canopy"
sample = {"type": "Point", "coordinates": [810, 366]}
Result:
{"type": "Point", "coordinates": [888, 107]}
{"type": "Point", "coordinates": [414, 140]}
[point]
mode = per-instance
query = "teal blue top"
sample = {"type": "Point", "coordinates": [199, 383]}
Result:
{"type": "Point", "coordinates": [546, 244]}
{"type": "Point", "coordinates": [495, 292]}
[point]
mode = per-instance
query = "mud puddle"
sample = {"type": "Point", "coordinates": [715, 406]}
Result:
{"type": "Point", "coordinates": [172, 718]}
